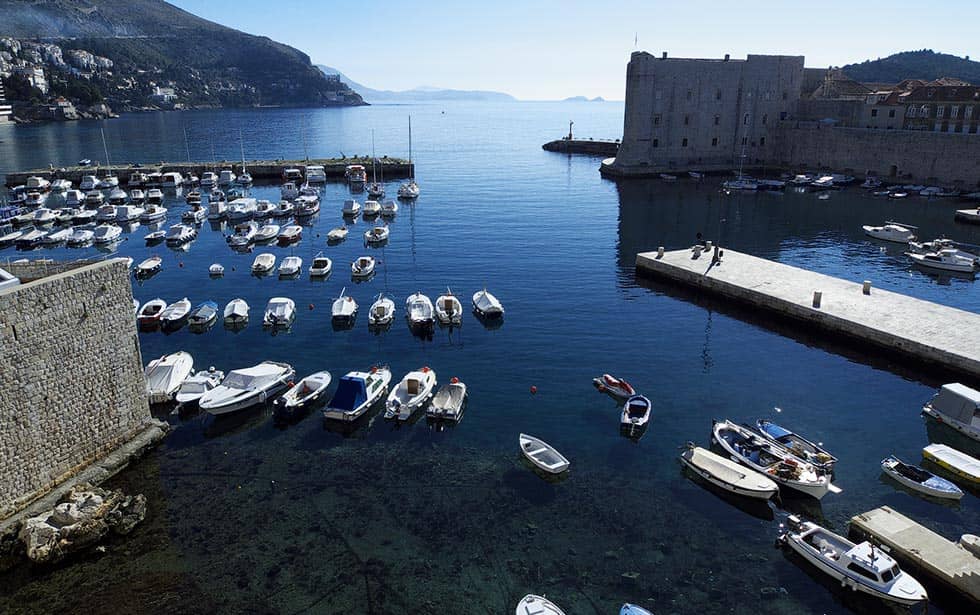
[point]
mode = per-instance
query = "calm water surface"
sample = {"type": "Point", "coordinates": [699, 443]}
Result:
{"type": "Point", "coordinates": [384, 518]}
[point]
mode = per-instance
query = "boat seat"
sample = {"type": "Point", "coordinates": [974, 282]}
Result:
{"type": "Point", "coordinates": [536, 451]}
{"type": "Point", "coordinates": [412, 386]}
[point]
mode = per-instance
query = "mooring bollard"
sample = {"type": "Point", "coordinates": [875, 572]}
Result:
{"type": "Point", "coordinates": [707, 245]}
{"type": "Point", "coordinates": [660, 252]}
{"type": "Point", "coordinates": [867, 287]}
{"type": "Point", "coordinates": [817, 296]}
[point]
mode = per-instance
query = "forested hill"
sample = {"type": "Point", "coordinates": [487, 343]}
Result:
{"type": "Point", "coordinates": [925, 64]}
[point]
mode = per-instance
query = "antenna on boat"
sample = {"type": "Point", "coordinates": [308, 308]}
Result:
{"type": "Point", "coordinates": [108, 164]}
{"type": "Point", "coordinates": [187, 148]}
{"type": "Point", "coordinates": [302, 130]}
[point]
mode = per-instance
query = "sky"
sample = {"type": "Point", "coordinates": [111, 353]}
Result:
{"type": "Point", "coordinates": [546, 50]}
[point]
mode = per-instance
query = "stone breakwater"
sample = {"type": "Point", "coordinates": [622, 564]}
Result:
{"type": "Point", "coordinates": [72, 378]}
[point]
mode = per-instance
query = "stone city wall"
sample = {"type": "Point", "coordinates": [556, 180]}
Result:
{"type": "Point", "coordinates": [71, 375]}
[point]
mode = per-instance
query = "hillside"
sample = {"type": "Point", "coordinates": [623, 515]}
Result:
{"type": "Point", "coordinates": [417, 94]}
{"type": "Point", "coordinates": [924, 64]}
{"type": "Point", "coordinates": [154, 43]}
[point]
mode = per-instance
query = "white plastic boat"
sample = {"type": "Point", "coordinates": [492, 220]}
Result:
{"type": "Point", "coordinates": [382, 311]}
{"type": "Point", "coordinates": [304, 394]}
{"type": "Point", "coordinates": [128, 213]}
{"type": "Point", "coordinates": [264, 263]}
{"type": "Point", "coordinates": [344, 308]}
{"type": "Point", "coordinates": [728, 474]}
{"type": "Point", "coordinates": [85, 216]}
{"type": "Point", "coordinates": [419, 310]}
{"type": "Point", "coordinates": [153, 213]}
{"type": "Point", "coordinates": [291, 265]}
{"type": "Point", "coordinates": [449, 310]}
{"type": "Point", "coordinates": [800, 447]}
{"type": "Point", "coordinates": [74, 198]}
{"type": "Point", "coordinates": [307, 205]}
{"type": "Point", "coordinates": [290, 234]}
{"type": "Point", "coordinates": [958, 406]}
{"type": "Point", "coordinates": [179, 234]}
{"type": "Point", "coordinates": [636, 412]}
{"type": "Point", "coordinates": [244, 234]}
{"type": "Point", "coordinates": [378, 234]}
{"type": "Point", "coordinates": [279, 312]}
{"type": "Point", "coordinates": [203, 315]}
{"type": "Point", "coordinates": [106, 233]}
{"type": "Point", "coordinates": [351, 208]}
{"type": "Point", "coordinates": [371, 208]}
{"type": "Point", "coordinates": [165, 375]}
{"type": "Point", "coordinates": [615, 387]}
{"type": "Point", "coordinates": [414, 390]}
{"type": "Point", "coordinates": [241, 209]}
{"type": "Point", "coordinates": [448, 401]}
{"type": "Point", "coordinates": [31, 239]}
{"type": "Point", "coordinates": [236, 312]}
{"type": "Point", "coordinates": [217, 207]}
{"type": "Point", "coordinates": [89, 182]}
{"type": "Point", "coordinates": [151, 311]}
{"type": "Point", "coordinates": [56, 237]}
{"type": "Point", "coordinates": [362, 267]}
{"type": "Point", "coordinates": [890, 231]}
{"type": "Point", "coordinates": [117, 196]}
{"type": "Point", "coordinates": [389, 209]}
{"type": "Point", "coordinates": [952, 460]}
{"type": "Point", "coordinates": [194, 387]}
{"type": "Point", "coordinates": [216, 270]}
{"type": "Point", "coordinates": [264, 209]}
{"type": "Point", "coordinates": [268, 232]}
{"type": "Point", "coordinates": [154, 196]}
{"type": "Point", "coordinates": [194, 215]}
{"type": "Point", "coordinates": [176, 313]}
{"type": "Point", "coordinates": [315, 174]}
{"type": "Point", "coordinates": [149, 266]}
{"type": "Point", "coordinates": [106, 213]}
{"type": "Point", "coordinates": [970, 216]}
{"type": "Point", "coordinates": [356, 392]}
{"type": "Point", "coordinates": [861, 567]}
{"type": "Point", "coordinates": [947, 259]}
{"type": "Point", "coordinates": [920, 480]}
{"type": "Point", "coordinates": [243, 388]}
{"type": "Point", "coordinates": [226, 177]}
{"type": "Point", "coordinates": [155, 236]}
{"type": "Point", "coordinates": [337, 234]}
{"type": "Point", "coordinates": [289, 191]}
{"type": "Point", "coordinates": [284, 209]}
{"type": "Point", "coordinates": [487, 305]}
{"type": "Point", "coordinates": [321, 266]}
{"type": "Point", "coordinates": [537, 605]}
{"type": "Point", "coordinates": [542, 454]}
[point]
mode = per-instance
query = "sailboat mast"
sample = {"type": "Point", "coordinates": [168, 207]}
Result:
{"type": "Point", "coordinates": [241, 144]}
{"type": "Point", "coordinates": [106, 150]}
{"type": "Point", "coordinates": [374, 160]}
{"type": "Point", "coordinates": [187, 147]}
{"type": "Point", "coordinates": [411, 167]}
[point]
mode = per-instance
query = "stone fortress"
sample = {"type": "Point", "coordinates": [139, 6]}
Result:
{"type": "Point", "coordinates": [771, 112]}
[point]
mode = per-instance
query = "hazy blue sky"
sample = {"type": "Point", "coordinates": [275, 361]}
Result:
{"type": "Point", "coordinates": [545, 49]}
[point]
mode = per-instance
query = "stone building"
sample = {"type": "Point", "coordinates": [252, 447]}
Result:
{"type": "Point", "coordinates": [703, 114]}
{"type": "Point", "coordinates": [72, 376]}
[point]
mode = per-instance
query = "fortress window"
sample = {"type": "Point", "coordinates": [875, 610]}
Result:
{"type": "Point", "coordinates": [874, 113]}
{"type": "Point", "coordinates": [683, 142]}
{"type": "Point", "coordinates": [762, 141]}
{"type": "Point", "coordinates": [968, 111]}
{"type": "Point", "coordinates": [717, 94]}
{"type": "Point", "coordinates": [891, 113]}
{"type": "Point", "coordinates": [785, 95]}
{"type": "Point", "coordinates": [940, 111]}
{"type": "Point", "coordinates": [687, 120]}
{"type": "Point", "coordinates": [954, 111]}
{"type": "Point", "coordinates": [656, 120]}
{"type": "Point", "coordinates": [765, 116]}
{"type": "Point", "coordinates": [714, 142]}
{"type": "Point", "coordinates": [782, 115]}
{"type": "Point", "coordinates": [717, 119]}
{"type": "Point", "coordinates": [745, 140]}
{"type": "Point", "coordinates": [690, 94]}
{"type": "Point", "coordinates": [656, 142]}
{"type": "Point", "coordinates": [745, 120]}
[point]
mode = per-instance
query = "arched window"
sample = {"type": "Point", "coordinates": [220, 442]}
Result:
{"type": "Point", "coordinates": [745, 120]}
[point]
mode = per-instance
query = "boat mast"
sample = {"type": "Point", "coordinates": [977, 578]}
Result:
{"type": "Point", "coordinates": [106, 150]}
{"type": "Point", "coordinates": [411, 167]}
{"type": "Point", "coordinates": [187, 148]}
{"type": "Point", "coordinates": [241, 143]}
{"type": "Point", "coordinates": [374, 160]}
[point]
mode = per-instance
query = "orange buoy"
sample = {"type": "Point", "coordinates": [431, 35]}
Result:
{"type": "Point", "coordinates": [374, 369]}
{"type": "Point", "coordinates": [534, 389]}
{"type": "Point", "coordinates": [290, 384]}
{"type": "Point", "coordinates": [454, 380]}
{"type": "Point", "coordinates": [311, 306]}
{"type": "Point", "coordinates": [425, 370]}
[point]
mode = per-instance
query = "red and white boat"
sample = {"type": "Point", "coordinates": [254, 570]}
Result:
{"type": "Point", "coordinates": [617, 387]}
{"type": "Point", "coordinates": [151, 311]}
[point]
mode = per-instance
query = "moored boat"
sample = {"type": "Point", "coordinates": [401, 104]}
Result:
{"type": "Point", "coordinates": [337, 234]}
{"type": "Point", "coordinates": [290, 266]}
{"type": "Point", "coordinates": [148, 267]}
{"type": "Point", "coordinates": [244, 388]}
{"type": "Point", "coordinates": [165, 375]}
{"type": "Point", "coordinates": [203, 315]}
{"type": "Point", "coordinates": [290, 234]}
{"type": "Point", "coordinates": [615, 387]}
{"type": "Point", "coordinates": [954, 461]}
{"type": "Point", "coordinates": [537, 605]}
{"type": "Point", "coordinates": [948, 259]}
{"type": "Point", "coordinates": [303, 394]}
{"type": "Point", "coordinates": [356, 392]}
{"type": "Point", "coordinates": [175, 314]}
{"type": "Point", "coordinates": [344, 308]}
{"type": "Point", "coordinates": [194, 387]}
{"type": "Point", "coordinates": [891, 231]}
{"type": "Point", "coordinates": [448, 401]}
{"type": "Point", "coordinates": [236, 312]}
{"type": "Point", "coordinates": [796, 444]}
{"type": "Point", "coordinates": [179, 234]}
{"type": "Point", "coordinates": [378, 234]}
{"type": "Point", "coordinates": [279, 312]}
{"type": "Point", "coordinates": [636, 412]}
{"type": "Point", "coordinates": [419, 310]}
{"type": "Point", "coordinates": [382, 312]}
{"type": "Point", "coordinates": [321, 266]}
{"type": "Point", "coordinates": [542, 455]}
{"type": "Point", "coordinates": [727, 474]}
{"type": "Point", "coordinates": [151, 311]}
{"type": "Point", "coordinates": [449, 310]}
{"type": "Point", "coordinates": [411, 394]}
{"type": "Point", "coordinates": [919, 479]}
{"type": "Point", "coordinates": [487, 305]}
{"type": "Point", "coordinates": [362, 267]}
{"type": "Point", "coordinates": [264, 263]}
{"type": "Point", "coordinates": [958, 406]}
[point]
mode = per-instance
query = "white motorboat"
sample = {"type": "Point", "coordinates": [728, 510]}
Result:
{"type": "Point", "coordinates": [179, 234]}
{"type": "Point", "coordinates": [959, 463]}
{"type": "Point", "coordinates": [241, 209]}
{"type": "Point", "coordinates": [193, 197]}
{"type": "Point", "coordinates": [344, 308]}
{"type": "Point", "coordinates": [117, 196]}
{"type": "Point", "coordinates": [36, 199]}
{"type": "Point", "coordinates": [728, 474]}
{"type": "Point", "coordinates": [362, 267]}
{"type": "Point", "coordinates": [84, 216]}
{"type": "Point", "coordinates": [264, 208]}
{"type": "Point", "coordinates": [375, 190]}
{"type": "Point", "coordinates": [741, 184]}
{"type": "Point", "coordinates": [920, 480]}
{"type": "Point", "coordinates": [279, 312]}
{"type": "Point", "coordinates": [337, 234]}
{"type": "Point", "coordinates": [30, 239]}
{"type": "Point", "coordinates": [958, 406]}
{"type": "Point", "coordinates": [149, 266]}
{"type": "Point", "coordinates": [449, 310]}
{"type": "Point", "coordinates": [970, 216]}
{"type": "Point", "coordinates": [351, 208]}
{"type": "Point", "coordinates": [321, 266]}
{"type": "Point", "coordinates": [10, 238]}
{"type": "Point", "coordinates": [89, 182]}
{"type": "Point", "coordinates": [291, 265]}
{"type": "Point", "coordinates": [264, 263]}
{"type": "Point", "coordinates": [378, 234]}
{"type": "Point", "coordinates": [890, 231]}
{"type": "Point", "coordinates": [356, 392]}
{"type": "Point", "coordinates": [65, 215]}
{"type": "Point", "coordinates": [128, 213]}
{"type": "Point", "coordinates": [749, 448]}
{"type": "Point", "coordinates": [136, 178]}
{"type": "Point", "coordinates": [448, 401]}
{"type": "Point", "coordinates": [419, 310]}
{"type": "Point", "coordinates": [74, 198]}
{"type": "Point", "coordinates": [106, 213]}
{"type": "Point", "coordinates": [226, 177]}
{"type": "Point", "coordinates": [292, 174]}
{"type": "Point", "coordinates": [194, 387]}
{"type": "Point", "coordinates": [56, 237]}
{"type": "Point", "coordinates": [94, 198]}
{"type": "Point", "coordinates": [137, 196]}
{"type": "Point", "coordinates": [411, 394]}
{"type": "Point", "coordinates": [243, 388]}
{"type": "Point", "coordinates": [209, 179]}
{"type": "Point", "coordinates": [153, 179]}
{"type": "Point", "coordinates": [244, 234]}
{"type": "Point", "coordinates": [315, 174]}
{"type": "Point", "coordinates": [153, 213]}
{"type": "Point", "coordinates": [217, 208]}
{"type": "Point", "coordinates": [487, 305]}
{"type": "Point", "coordinates": [267, 232]}
{"type": "Point", "coordinates": [106, 233]}
{"type": "Point", "coordinates": [284, 209]}
{"type": "Point", "coordinates": [289, 191]}
{"type": "Point", "coordinates": [108, 182]}
{"type": "Point", "coordinates": [154, 196]}
{"type": "Point", "coordinates": [537, 605]}
{"type": "Point", "coordinates": [194, 215]}
{"type": "Point", "coordinates": [389, 209]}
{"type": "Point", "coordinates": [236, 312]}
{"type": "Point", "coordinates": [165, 375]}
{"type": "Point", "coordinates": [175, 314]}
{"type": "Point", "coordinates": [290, 234]}
{"type": "Point", "coordinates": [151, 311]}
{"type": "Point", "coordinates": [382, 312]}
{"type": "Point", "coordinates": [306, 206]}
{"type": "Point", "coordinates": [615, 387]}
{"type": "Point", "coordinates": [244, 178]}
{"type": "Point", "coordinates": [216, 270]}
{"type": "Point", "coordinates": [636, 412]}
{"type": "Point", "coordinates": [371, 208]}
{"type": "Point", "coordinates": [861, 567]}
{"type": "Point", "coordinates": [947, 259]}
{"type": "Point", "coordinates": [542, 454]}
{"type": "Point", "coordinates": [356, 176]}
{"type": "Point", "coordinates": [304, 394]}
{"type": "Point", "coordinates": [938, 244]}
{"type": "Point", "coordinates": [38, 183]}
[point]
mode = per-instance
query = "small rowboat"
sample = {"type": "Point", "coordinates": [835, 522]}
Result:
{"type": "Point", "coordinates": [307, 392]}
{"type": "Point", "coordinates": [960, 464]}
{"type": "Point", "coordinates": [543, 455]}
{"type": "Point", "coordinates": [728, 474]}
{"type": "Point", "coordinates": [616, 387]}
{"type": "Point", "coordinates": [337, 234]}
{"type": "Point", "coordinates": [636, 412]}
{"type": "Point", "coordinates": [920, 480]}
{"type": "Point", "coordinates": [537, 605]}
{"type": "Point", "coordinates": [148, 267]}
{"type": "Point", "coordinates": [150, 313]}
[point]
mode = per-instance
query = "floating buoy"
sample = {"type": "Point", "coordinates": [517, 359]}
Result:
{"type": "Point", "coordinates": [180, 264]}
{"type": "Point", "coordinates": [534, 390]}
{"type": "Point", "coordinates": [454, 380]}
{"type": "Point", "coordinates": [290, 384]}
{"type": "Point", "coordinates": [425, 370]}
{"type": "Point", "coordinates": [311, 306]}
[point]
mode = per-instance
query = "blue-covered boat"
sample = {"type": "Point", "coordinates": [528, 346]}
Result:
{"type": "Point", "coordinates": [356, 392]}
{"type": "Point", "coordinates": [632, 609]}
{"type": "Point", "coordinates": [203, 315]}
{"type": "Point", "coordinates": [802, 448]}
{"type": "Point", "coordinates": [920, 480]}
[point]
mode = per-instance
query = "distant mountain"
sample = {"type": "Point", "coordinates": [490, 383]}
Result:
{"type": "Point", "coordinates": [154, 43]}
{"type": "Point", "coordinates": [584, 99]}
{"type": "Point", "coordinates": [422, 93]}
{"type": "Point", "coordinates": [924, 64]}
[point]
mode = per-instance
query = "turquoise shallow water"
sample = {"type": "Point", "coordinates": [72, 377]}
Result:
{"type": "Point", "coordinates": [249, 517]}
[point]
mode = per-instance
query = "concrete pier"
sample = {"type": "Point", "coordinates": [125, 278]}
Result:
{"type": "Point", "coordinates": [920, 550]}
{"type": "Point", "coordinates": [927, 333]}
{"type": "Point", "coordinates": [260, 170]}
{"type": "Point", "coordinates": [583, 146]}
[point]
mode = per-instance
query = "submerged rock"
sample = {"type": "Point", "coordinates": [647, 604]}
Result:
{"type": "Point", "coordinates": [85, 515]}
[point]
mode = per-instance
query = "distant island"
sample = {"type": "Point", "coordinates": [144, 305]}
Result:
{"type": "Point", "coordinates": [924, 64]}
{"type": "Point", "coordinates": [65, 59]}
{"type": "Point", "coordinates": [422, 93]}
{"type": "Point", "coordinates": [584, 99]}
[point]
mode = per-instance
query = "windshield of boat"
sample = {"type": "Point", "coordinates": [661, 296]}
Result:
{"type": "Point", "coordinates": [238, 380]}
{"type": "Point", "coordinates": [192, 387]}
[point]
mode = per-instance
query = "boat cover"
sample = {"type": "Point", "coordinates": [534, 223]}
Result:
{"type": "Point", "coordinates": [351, 393]}
{"type": "Point", "coordinates": [256, 377]}
{"type": "Point", "coordinates": [958, 402]}
{"type": "Point", "coordinates": [775, 430]}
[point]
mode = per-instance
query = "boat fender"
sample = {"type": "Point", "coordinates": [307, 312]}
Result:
{"type": "Point", "coordinates": [454, 380]}
{"type": "Point", "coordinates": [534, 390]}
{"type": "Point", "coordinates": [790, 462]}
{"type": "Point", "coordinates": [311, 306]}
{"type": "Point", "coordinates": [290, 384]}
